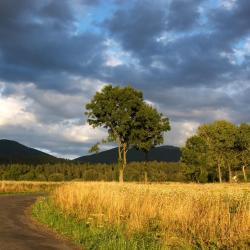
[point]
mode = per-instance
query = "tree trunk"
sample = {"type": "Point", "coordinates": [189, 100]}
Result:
{"type": "Point", "coordinates": [121, 174]}
{"type": "Point", "coordinates": [120, 163]}
{"type": "Point", "coordinates": [229, 173]}
{"type": "Point", "coordinates": [219, 173]}
{"type": "Point", "coordinates": [244, 172]}
{"type": "Point", "coordinates": [119, 153]}
{"type": "Point", "coordinates": [124, 163]}
{"type": "Point", "coordinates": [145, 177]}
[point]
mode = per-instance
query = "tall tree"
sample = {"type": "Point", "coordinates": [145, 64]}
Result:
{"type": "Point", "coordinates": [243, 147]}
{"type": "Point", "coordinates": [127, 117]}
{"type": "Point", "coordinates": [148, 131]}
{"type": "Point", "coordinates": [195, 154]}
{"type": "Point", "coordinates": [220, 137]}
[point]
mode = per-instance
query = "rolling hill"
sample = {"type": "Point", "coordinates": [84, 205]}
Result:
{"type": "Point", "coordinates": [14, 152]}
{"type": "Point", "coordinates": [161, 153]}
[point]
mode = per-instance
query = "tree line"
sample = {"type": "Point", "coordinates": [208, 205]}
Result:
{"type": "Point", "coordinates": [220, 146]}
{"type": "Point", "coordinates": [151, 171]}
{"type": "Point", "coordinates": [156, 172]}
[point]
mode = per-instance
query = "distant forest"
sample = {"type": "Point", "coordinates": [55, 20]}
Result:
{"type": "Point", "coordinates": [136, 172]}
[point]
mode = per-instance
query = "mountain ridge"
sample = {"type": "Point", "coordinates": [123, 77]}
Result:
{"type": "Point", "coordinates": [13, 152]}
{"type": "Point", "coordinates": [165, 153]}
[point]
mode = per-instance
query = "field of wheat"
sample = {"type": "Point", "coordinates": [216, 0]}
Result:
{"type": "Point", "coordinates": [27, 186]}
{"type": "Point", "coordinates": [209, 215]}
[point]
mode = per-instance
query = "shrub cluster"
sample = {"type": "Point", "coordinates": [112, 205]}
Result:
{"type": "Point", "coordinates": [136, 171]}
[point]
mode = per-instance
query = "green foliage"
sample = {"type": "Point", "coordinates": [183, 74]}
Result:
{"type": "Point", "coordinates": [114, 108]}
{"type": "Point", "coordinates": [195, 154]}
{"type": "Point", "coordinates": [56, 177]}
{"type": "Point", "coordinates": [243, 143]}
{"type": "Point", "coordinates": [157, 172]}
{"type": "Point", "coordinates": [130, 121]}
{"type": "Point", "coordinates": [221, 145]}
{"type": "Point", "coordinates": [95, 148]}
{"type": "Point", "coordinates": [149, 126]}
{"type": "Point", "coordinates": [89, 236]}
{"type": "Point", "coordinates": [195, 151]}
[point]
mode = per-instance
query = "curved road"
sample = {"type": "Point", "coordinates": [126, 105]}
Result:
{"type": "Point", "coordinates": [18, 233]}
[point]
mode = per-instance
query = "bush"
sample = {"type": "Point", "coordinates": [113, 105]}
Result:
{"type": "Point", "coordinates": [56, 177]}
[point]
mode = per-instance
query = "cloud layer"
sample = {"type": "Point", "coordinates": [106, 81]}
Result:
{"type": "Point", "coordinates": [190, 58]}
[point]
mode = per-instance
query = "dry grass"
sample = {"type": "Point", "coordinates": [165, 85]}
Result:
{"type": "Point", "coordinates": [208, 215]}
{"type": "Point", "coordinates": [26, 186]}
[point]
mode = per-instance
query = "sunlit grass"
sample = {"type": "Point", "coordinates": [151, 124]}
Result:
{"type": "Point", "coordinates": [27, 186]}
{"type": "Point", "coordinates": [178, 215]}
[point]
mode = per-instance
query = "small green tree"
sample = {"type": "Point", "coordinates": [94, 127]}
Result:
{"type": "Point", "coordinates": [243, 147]}
{"type": "Point", "coordinates": [220, 136]}
{"type": "Point", "coordinates": [123, 112]}
{"type": "Point", "coordinates": [195, 155]}
{"type": "Point", "coordinates": [149, 128]}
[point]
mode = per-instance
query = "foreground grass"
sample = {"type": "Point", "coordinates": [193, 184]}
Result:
{"type": "Point", "coordinates": [158, 216]}
{"type": "Point", "coordinates": [89, 236]}
{"type": "Point", "coordinates": [12, 187]}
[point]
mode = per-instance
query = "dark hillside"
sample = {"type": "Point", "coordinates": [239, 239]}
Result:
{"type": "Point", "coordinates": [162, 153]}
{"type": "Point", "coordinates": [14, 152]}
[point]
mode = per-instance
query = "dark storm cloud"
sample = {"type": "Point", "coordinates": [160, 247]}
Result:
{"type": "Point", "coordinates": [187, 57]}
{"type": "Point", "coordinates": [137, 27]}
{"type": "Point", "coordinates": [181, 54]}
{"type": "Point", "coordinates": [57, 10]}
{"type": "Point", "coordinates": [39, 42]}
{"type": "Point", "coordinates": [232, 24]}
{"type": "Point", "coordinates": [183, 14]}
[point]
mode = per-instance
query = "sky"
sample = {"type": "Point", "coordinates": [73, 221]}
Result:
{"type": "Point", "coordinates": [191, 59]}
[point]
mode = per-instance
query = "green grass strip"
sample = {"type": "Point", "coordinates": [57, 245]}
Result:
{"type": "Point", "coordinates": [91, 237]}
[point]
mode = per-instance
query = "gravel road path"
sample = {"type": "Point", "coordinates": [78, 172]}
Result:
{"type": "Point", "coordinates": [17, 232]}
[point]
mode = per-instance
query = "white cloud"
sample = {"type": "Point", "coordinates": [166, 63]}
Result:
{"type": "Point", "coordinates": [228, 4]}
{"type": "Point", "coordinates": [151, 103]}
{"type": "Point", "coordinates": [116, 56]}
{"type": "Point", "coordinates": [166, 37]}
{"type": "Point", "coordinates": [158, 64]}
{"type": "Point", "coordinates": [239, 52]}
{"type": "Point", "coordinates": [13, 111]}
{"type": "Point", "coordinates": [113, 53]}
{"type": "Point", "coordinates": [180, 131]}
{"type": "Point", "coordinates": [243, 51]}
{"type": "Point", "coordinates": [113, 61]}
{"type": "Point", "coordinates": [83, 133]}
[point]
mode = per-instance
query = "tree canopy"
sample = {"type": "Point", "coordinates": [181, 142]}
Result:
{"type": "Point", "coordinates": [130, 121]}
{"type": "Point", "coordinates": [220, 144]}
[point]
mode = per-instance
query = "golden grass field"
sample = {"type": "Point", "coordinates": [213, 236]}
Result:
{"type": "Point", "coordinates": [27, 186]}
{"type": "Point", "coordinates": [211, 214]}
{"type": "Point", "coordinates": [182, 216]}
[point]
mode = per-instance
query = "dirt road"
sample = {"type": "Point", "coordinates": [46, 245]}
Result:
{"type": "Point", "coordinates": [18, 233]}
